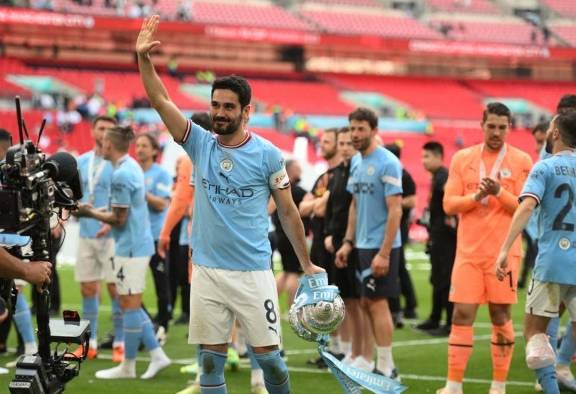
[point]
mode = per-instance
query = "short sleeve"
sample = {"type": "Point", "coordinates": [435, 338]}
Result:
{"type": "Point", "coordinates": [352, 177]}
{"type": "Point", "coordinates": [164, 185]}
{"type": "Point", "coordinates": [195, 140]}
{"type": "Point", "coordinates": [391, 177]}
{"type": "Point", "coordinates": [535, 185]}
{"type": "Point", "coordinates": [120, 190]}
{"type": "Point", "coordinates": [276, 170]}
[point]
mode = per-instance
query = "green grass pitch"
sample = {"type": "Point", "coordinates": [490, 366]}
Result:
{"type": "Point", "coordinates": [421, 359]}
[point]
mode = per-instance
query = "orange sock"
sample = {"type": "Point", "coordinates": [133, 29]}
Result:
{"type": "Point", "coordinates": [459, 351]}
{"type": "Point", "coordinates": [502, 349]}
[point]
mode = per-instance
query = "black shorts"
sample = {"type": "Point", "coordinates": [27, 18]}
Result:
{"type": "Point", "coordinates": [345, 278]}
{"type": "Point", "coordinates": [386, 286]}
{"type": "Point", "coordinates": [290, 261]}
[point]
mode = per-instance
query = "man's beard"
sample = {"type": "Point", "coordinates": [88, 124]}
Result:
{"type": "Point", "coordinates": [232, 126]}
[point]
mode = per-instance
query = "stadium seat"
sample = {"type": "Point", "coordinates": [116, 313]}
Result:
{"type": "Point", "coordinates": [246, 14]}
{"type": "Point", "coordinates": [465, 6]}
{"type": "Point", "coordinates": [370, 22]}
{"type": "Point", "coordinates": [565, 8]}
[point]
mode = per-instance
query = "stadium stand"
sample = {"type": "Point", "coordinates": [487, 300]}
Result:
{"type": "Point", "coordinates": [301, 97]}
{"type": "Point", "coordinates": [566, 31]}
{"type": "Point", "coordinates": [477, 28]}
{"type": "Point", "coordinates": [370, 21]}
{"type": "Point", "coordinates": [565, 8]}
{"type": "Point", "coordinates": [259, 14]}
{"type": "Point", "coordinates": [473, 6]}
{"type": "Point", "coordinates": [434, 97]}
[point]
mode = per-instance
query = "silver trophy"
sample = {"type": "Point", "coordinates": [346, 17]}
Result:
{"type": "Point", "coordinates": [322, 318]}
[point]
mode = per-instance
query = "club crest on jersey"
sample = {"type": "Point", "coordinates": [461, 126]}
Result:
{"type": "Point", "coordinates": [564, 243]}
{"type": "Point", "coordinates": [226, 165]}
{"type": "Point", "coordinates": [505, 173]}
{"type": "Point", "coordinates": [371, 170]}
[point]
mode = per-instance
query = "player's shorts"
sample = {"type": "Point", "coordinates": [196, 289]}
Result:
{"type": "Point", "coordinates": [387, 286]}
{"type": "Point", "coordinates": [130, 274]}
{"type": "Point", "coordinates": [544, 299]}
{"type": "Point", "coordinates": [345, 278]}
{"type": "Point", "coordinates": [475, 282]}
{"type": "Point", "coordinates": [94, 260]}
{"type": "Point", "coordinates": [290, 261]}
{"type": "Point", "coordinates": [218, 297]}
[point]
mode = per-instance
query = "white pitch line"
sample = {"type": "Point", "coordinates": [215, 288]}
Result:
{"type": "Point", "coordinates": [245, 363]}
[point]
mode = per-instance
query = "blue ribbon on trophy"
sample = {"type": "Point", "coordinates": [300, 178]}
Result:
{"type": "Point", "coordinates": [317, 311]}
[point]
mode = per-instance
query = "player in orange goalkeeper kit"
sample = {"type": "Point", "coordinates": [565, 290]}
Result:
{"type": "Point", "coordinates": [482, 189]}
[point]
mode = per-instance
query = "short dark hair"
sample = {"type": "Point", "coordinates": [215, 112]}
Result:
{"type": "Point", "coordinates": [290, 162]}
{"type": "Point", "coordinates": [567, 102]}
{"type": "Point", "coordinates": [331, 130]}
{"type": "Point", "coordinates": [541, 127]}
{"type": "Point", "coordinates": [203, 120]}
{"type": "Point", "coordinates": [364, 114]}
{"type": "Point", "coordinates": [238, 85]}
{"type": "Point", "coordinates": [121, 137]}
{"type": "Point", "coordinates": [342, 130]}
{"type": "Point", "coordinates": [434, 147]}
{"type": "Point", "coordinates": [153, 141]}
{"type": "Point", "coordinates": [394, 148]}
{"type": "Point", "coordinates": [497, 109]}
{"type": "Point", "coordinates": [104, 118]}
{"type": "Point", "coordinates": [5, 136]}
{"type": "Point", "coordinates": [566, 124]}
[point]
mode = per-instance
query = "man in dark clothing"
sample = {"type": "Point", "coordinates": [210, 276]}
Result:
{"type": "Point", "coordinates": [441, 243]}
{"type": "Point", "coordinates": [406, 286]}
{"type": "Point", "coordinates": [291, 270]}
{"type": "Point", "coordinates": [335, 223]}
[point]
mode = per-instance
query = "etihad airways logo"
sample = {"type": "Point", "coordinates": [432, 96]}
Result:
{"type": "Point", "coordinates": [226, 195]}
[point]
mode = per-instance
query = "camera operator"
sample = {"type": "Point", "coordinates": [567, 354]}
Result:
{"type": "Point", "coordinates": [35, 272]}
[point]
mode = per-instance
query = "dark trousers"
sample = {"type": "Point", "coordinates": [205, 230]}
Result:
{"type": "Point", "coordinates": [406, 288]}
{"type": "Point", "coordinates": [179, 278]}
{"type": "Point", "coordinates": [440, 303]}
{"type": "Point", "coordinates": [529, 258]}
{"type": "Point", "coordinates": [442, 251]}
{"type": "Point", "coordinates": [161, 283]}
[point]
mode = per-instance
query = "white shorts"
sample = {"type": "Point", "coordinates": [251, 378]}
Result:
{"type": "Point", "coordinates": [218, 297]}
{"type": "Point", "coordinates": [130, 274]}
{"type": "Point", "coordinates": [544, 298]}
{"type": "Point", "coordinates": [94, 260]}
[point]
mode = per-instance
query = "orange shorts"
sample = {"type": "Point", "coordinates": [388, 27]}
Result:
{"type": "Point", "coordinates": [475, 282]}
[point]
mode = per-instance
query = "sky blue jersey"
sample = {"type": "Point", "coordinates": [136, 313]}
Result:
{"type": "Point", "coordinates": [134, 239]}
{"type": "Point", "coordinates": [372, 179]}
{"type": "Point", "coordinates": [552, 183]}
{"type": "Point", "coordinates": [158, 183]}
{"type": "Point", "coordinates": [233, 187]}
{"type": "Point", "coordinates": [95, 177]}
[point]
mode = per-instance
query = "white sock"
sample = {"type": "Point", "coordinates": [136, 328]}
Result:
{"type": "Point", "coordinates": [93, 344]}
{"type": "Point", "coordinates": [118, 343]}
{"type": "Point", "coordinates": [345, 347]}
{"type": "Point", "coordinates": [385, 362]}
{"type": "Point", "coordinates": [157, 354]}
{"type": "Point", "coordinates": [30, 348]}
{"type": "Point", "coordinates": [453, 386]}
{"type": "Point", "coordinates": [257, 377]}
{"type": "Point", "coordinates": [335, 344]}
{"type": "Point", "coordinates": [498, 385]}
{"type": "Point", "coordinates": [128, 365]}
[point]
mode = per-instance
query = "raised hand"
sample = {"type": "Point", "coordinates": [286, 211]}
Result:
{"type": "Point", "coordinates": [145, 42]}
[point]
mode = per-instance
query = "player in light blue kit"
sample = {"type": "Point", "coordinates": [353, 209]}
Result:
{"type": "Point", "coordinates": [551, 185]}
{"type": "Point", "coordinates": [96, 246]}
{"type": "Point", "coordinates": [134, 245]}
{"type": "Point", "coordinates": [373, 223]}
{"type": "Point", "coordinates": [158, 192]}
{"type": "Point", "coordinates": [235, 172]}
